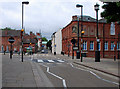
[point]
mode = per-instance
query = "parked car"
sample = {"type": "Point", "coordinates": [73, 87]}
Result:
{"type": "Point", "coordinates": [42, 51]}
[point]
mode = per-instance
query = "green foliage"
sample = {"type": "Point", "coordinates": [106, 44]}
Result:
{"type": "Point", "coordinates": [7, 28]}
{"type": "Point", "coordinates": [44, 39]}
{"type": "Point", "coordinates": [111, 11]}
{"type": "Point", "coordinates": [49, 43]}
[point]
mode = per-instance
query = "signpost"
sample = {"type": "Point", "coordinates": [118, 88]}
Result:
{"type": "Point", "coordinates": [11, 40]}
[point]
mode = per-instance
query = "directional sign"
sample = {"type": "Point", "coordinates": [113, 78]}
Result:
{"type": "Point", "coordinates": [11, 40]}
{"type": "Point", "coordinates": [75, 48]}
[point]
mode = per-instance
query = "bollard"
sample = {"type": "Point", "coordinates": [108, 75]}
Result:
{"type": "Point", "coordinates": [114, 58]}
{"type": "Point", "coordinates": [4, 52]}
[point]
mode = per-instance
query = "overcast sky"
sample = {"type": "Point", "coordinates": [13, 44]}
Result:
{"type": "Point", "coordinates": [45, 15]}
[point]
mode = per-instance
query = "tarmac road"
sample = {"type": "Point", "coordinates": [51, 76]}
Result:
{"type": "Point", "coordinates": [67, 74]}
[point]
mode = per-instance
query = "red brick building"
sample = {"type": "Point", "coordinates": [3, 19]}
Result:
{"type": "Point", "coordinates": [28, 41]}
{"type": "Point", "coordinates": [108, 36]}
{"type": "Point", "coordinates": [5, 45]}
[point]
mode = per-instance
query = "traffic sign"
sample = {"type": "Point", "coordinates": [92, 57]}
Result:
{"type": "Point", "coordinates": [75, 48]}
{"type": "Point", "coordinates": [11, 40]}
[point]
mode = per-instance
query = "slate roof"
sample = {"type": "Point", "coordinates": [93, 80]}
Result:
{"type": "Point", "coordinates": [88, 19]}
{"type": "Point", "coordinates": [27, 41]}
{"type": "Point", "coordinates": [8, 33]}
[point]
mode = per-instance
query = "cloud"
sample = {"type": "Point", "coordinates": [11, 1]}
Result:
{"type": "Point", "coordinates": [47, 15]}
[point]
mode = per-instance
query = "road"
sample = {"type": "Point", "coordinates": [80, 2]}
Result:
{"type": "Point", "coordinates": [64, 73]}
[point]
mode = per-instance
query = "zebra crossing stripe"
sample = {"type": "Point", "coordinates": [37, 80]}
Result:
{"type": "Point", "coordinates": [40, 60]}
{"type": "Point", "coordinates": [60, 60]}
{"type": "Point", "coordinates": [50, 60]}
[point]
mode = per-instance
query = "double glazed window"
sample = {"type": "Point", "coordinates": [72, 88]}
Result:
{"type": "Point", "coordinates": [85, 45]}
{"type": "Point", "coordinates": [118, 46]}
{"type": "Point", "coordinates": [112, 45]}
{"type": "Point", "coordinates": [91, 45]}
{"type": "Point", "coordinates": [106, 45]}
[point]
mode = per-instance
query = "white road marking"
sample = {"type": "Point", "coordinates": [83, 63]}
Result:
{"type": "Point", "coordinates": [63, 80]}
{"type": "Point", "coordinates": [40, 61]}
{"type": "Point", "coordinates": [50, 60]}
{"type": "Point", "coordinates": [95, 75]}
{"type": "Point", "coordinates": [60, 60]}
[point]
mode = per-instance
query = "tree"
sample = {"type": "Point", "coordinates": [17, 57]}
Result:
{"type": "Point", "coordinates": [49, 44]}
{"type": "Point", "coordinates": [7, 28]}
{"type": "Point", "coordinates": [111, 11]}
{"type": "Point", "coordinates": [44, 39]}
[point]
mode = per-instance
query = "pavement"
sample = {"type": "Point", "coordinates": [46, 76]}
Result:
{"type": "Point", "coordinates": [22, 74]}
{"type": "Point", "coordinates": [28, 74]}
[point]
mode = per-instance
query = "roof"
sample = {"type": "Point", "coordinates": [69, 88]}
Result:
{"type": "Point", "coordinates": [10, 33]}
{"type": "Point", "coordinates": [27, 41]}
{"type": "Point", "coordinates": [87, 19]}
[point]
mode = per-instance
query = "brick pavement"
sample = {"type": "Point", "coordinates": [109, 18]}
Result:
{"type": "Point", "coordinates": [22, 74]}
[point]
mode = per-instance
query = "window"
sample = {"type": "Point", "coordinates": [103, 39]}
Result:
{"type": "Point", "coordinates": [106, 45]}
{"type": "Point", "coordinates": [99, 46]}
{"type": "Point", "coordinates": [118, 46]}
{"type": "Point", "coordinates": [91, 45]}
{"type": "Point", "coordinates": [2, 49]}
{"type": "Point", "coordinates": [112, 45]}
{"type": "Point", "coordinates": [85, 45]}
{"type": "Point", "coordinates": [7, 49]}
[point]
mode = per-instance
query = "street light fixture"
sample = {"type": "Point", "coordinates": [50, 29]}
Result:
{"type": "Point", "coordinates": [25, 2]}
{"type": "Point", "coordinates": [97, 52]}
{"type": "Point", "coordinates": [78, 52]}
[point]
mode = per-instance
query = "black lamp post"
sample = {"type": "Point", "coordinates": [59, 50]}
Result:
{"type": "Point", "coordinates": [97, 52]}
{"type": "Point", "coordinates": [26, 2]}
{"type": "Point", "coordinates": [78, 52]}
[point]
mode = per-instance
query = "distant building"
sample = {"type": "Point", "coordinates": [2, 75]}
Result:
{"type": "Point", "coordinates": [109, 35]}
{"type": "Point", "coordinates": [30, 41]}
{"type": "Point", "coordinates": [53, 42]}
{"type": "Point", "coordinates": [5, 45]}
{"type": "Point", "coordinates": [57, 42]}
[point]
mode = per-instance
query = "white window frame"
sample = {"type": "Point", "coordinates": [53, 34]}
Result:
{"type": "Point", "coordinates": [112, 44]}
{"type": "Point", "coordinates": [84, 44]}
{"type": "Point", "coordinates": [2, 48]}
{"type": "Point", "coordinates": [92, 43]}
{"type": "Point", "coordinates": [106, 46]}
{"type": "Point", "coordinates": [7, 48]}
{"type": "Point", "coordinates": [117, 46]}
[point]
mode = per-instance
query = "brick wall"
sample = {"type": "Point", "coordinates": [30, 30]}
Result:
{"type": "Point", "coordinates": [90, 35]}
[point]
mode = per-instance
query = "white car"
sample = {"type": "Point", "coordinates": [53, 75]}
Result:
{"type": "Point", "coordinates": [42, 51]}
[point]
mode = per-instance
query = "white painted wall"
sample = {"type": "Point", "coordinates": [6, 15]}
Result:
{"type": "Point", "coordinates": [58, 42]}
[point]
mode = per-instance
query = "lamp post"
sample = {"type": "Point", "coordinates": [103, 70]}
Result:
{"type": "Point", "coordinates": [78, 52]}
{"type": "Point", "coordinates": [97, 52]}
{"type": "Point", "coordinates": [26, 2]}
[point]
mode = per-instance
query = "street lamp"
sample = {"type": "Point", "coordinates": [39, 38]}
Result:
{"type": "Point", "coordinates": [26, 2]}
{"type": "Point", "coordinates": [97, 52]}
{"type": "Point", "coordinates": [78, 52]}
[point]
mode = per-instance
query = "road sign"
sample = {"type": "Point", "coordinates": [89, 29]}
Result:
{"type": "Point", "coordinates": [75, 48]}
{"type": "Point", "coordinates": [11, 40]}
